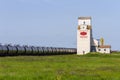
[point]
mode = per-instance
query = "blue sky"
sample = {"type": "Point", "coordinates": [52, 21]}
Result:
{"type": "Point", "coordinates": [54, 22]}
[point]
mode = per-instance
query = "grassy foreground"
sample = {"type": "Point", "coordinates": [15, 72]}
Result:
{"type": "Point", "coordinates": [61, 67]}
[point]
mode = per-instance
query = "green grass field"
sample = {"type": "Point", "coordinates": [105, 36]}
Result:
{"type": "Point", "coordinates": [61, 67]}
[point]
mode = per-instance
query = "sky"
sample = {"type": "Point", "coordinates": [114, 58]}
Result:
{"type": "Point", "coordinates": [54, 22]}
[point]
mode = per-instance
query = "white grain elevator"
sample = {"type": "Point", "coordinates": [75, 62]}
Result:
{"type": "Point", "coordinates": [84, 35]}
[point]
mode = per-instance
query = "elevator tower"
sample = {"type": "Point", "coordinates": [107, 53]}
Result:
{"type": "Point", "coordinates": [84, 35]}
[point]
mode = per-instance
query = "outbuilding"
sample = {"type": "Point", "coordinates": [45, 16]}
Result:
{"type": "Point", "coordinates": [104, 49]}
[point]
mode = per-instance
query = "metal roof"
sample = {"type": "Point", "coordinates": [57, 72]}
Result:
{"type": "Point", "coordinates": [105, 46]}
{"type": "Point", "coordinates": [84, 17]}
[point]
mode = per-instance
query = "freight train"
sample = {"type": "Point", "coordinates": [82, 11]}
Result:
{"type": "Point", "coordinates": [10, 50]}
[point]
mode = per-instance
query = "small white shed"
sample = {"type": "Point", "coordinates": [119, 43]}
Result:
{"type": "Point", "coordinates": [104, 49]}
